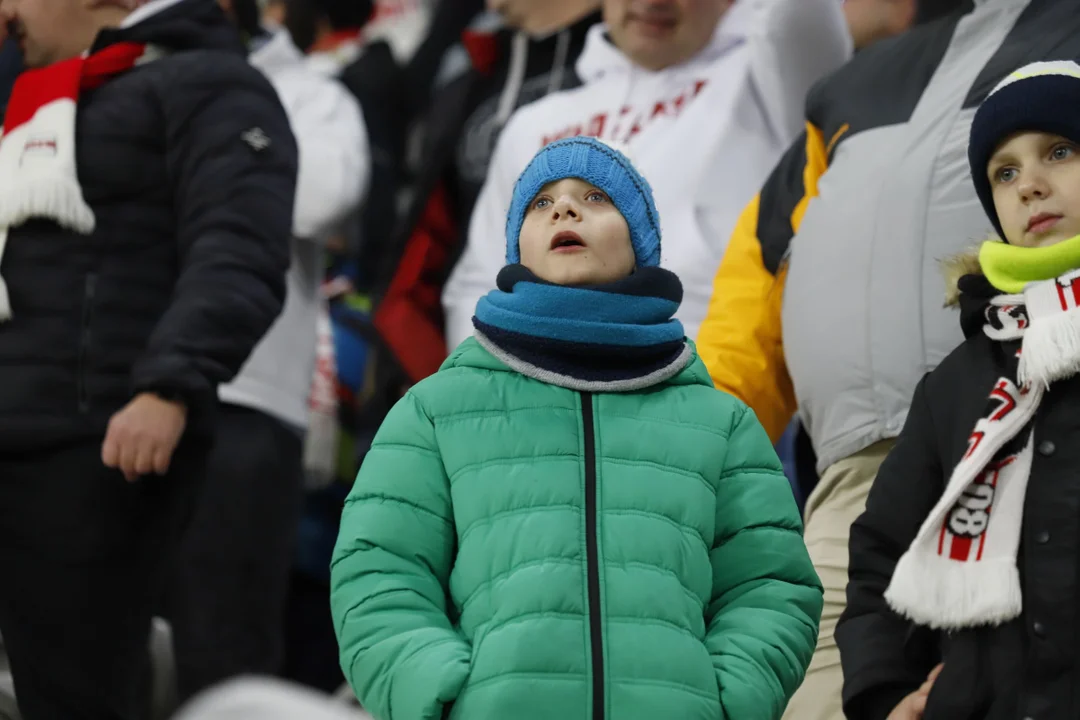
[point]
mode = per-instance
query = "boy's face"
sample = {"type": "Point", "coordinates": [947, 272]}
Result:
{"type": "Point", "coordinates": [574, 235]}
{"type": "Point", "coordinates": [1036, 182]}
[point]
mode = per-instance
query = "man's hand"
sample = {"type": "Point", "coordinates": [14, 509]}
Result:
{"type": "Point", "coordinates": [142, 437]}
{"type": "Point", "coordinates": [914, 705]}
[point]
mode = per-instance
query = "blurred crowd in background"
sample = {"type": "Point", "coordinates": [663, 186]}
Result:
{"type": "Point", "coordinates": [411, 122]}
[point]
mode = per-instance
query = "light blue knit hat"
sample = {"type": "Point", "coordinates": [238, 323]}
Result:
{"type": "Point", "coordinates": [606, 168]}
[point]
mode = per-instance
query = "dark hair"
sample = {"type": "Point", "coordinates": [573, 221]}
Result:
{"type": "Point", "coordinates": [246, 15]}
{"type": "Point", "coordinates": [300, 20]}
{"type": "Point", "coordinates": [302, 17]}
{"type": "Point", "coordinates": [346, 14]}
{"type": "Point", "coordinates": [929, 10]}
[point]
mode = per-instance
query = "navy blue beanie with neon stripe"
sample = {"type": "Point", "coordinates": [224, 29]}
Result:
{"type": "Point", "coordinates": [1040, 97]}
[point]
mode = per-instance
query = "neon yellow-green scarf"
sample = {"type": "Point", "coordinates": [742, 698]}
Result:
{"type": "Point", "coordinates": [1010, 268]}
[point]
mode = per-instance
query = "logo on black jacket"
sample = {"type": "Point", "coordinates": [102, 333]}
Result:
{"type": "Point", "coordinates": [256, 139]}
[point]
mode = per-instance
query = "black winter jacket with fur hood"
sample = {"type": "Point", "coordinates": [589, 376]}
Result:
{"type": "Point", "coordinates": [1026, 669]}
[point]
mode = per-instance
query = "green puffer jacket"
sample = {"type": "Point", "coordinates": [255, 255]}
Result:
{"type": "Point", "coordinates": [514, 549]}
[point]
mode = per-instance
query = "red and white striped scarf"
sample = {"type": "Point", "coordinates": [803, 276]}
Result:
{"type": "Point", "coordinates": [960, 571]}
{"type": "Point", "coordinates": [38, 177]}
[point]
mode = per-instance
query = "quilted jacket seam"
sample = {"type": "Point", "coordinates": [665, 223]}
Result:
{"type": "Point", "coordinates": [378, 497]}
{"type": "Point", "coordinates": [722, 434]}
{"type": "Point", "coordinates": [681, 527]}
{"type": "Point", "coordinates": [406, 447]}
{"type": "Point", "coordinates": [663, 571]}
{"type": "Point", "coordinates": [490, 519]}
{"type": "Point", "coordinates": [809, 625]}
{"type": "Point", "coordinates": [669, 684]}
{"type": "Point", "coordinates": [530, 674]}
{"type": "Point", "coordinates": [507, 573]}
{"type": "Point", "coordinates": [584, 676]}
{"type": "Point", "coordinates": [752, 470]}
{"type": "Point", "coordinates": [658, 466]}
{"type": "Point", "coordinates": [498, 413]}
{"type": "Point", "coordinates": [749, 528]}
{"type": "Point", "coordinates": [492, 462]}
{"type": "Point", "coordinates": [354, 607]}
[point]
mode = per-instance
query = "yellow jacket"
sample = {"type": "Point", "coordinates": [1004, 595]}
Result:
{"type": "Point", "coordinates": [741, 340]}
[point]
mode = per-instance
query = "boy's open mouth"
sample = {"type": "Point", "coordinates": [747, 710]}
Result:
{"type": "Point", "coordinates": [567, 240]}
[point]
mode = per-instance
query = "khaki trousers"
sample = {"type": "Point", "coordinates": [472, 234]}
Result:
{"type": "Point", "coordinates": [838, 499]}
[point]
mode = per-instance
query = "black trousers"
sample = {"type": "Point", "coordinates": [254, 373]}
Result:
{"type": "Point", "coordinates": [82, 561]}
{"type": "Point", "coordinates": [227, 601]}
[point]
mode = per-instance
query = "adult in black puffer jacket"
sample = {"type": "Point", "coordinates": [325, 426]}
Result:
{"type": "Point", "coordinates": [118, 338]}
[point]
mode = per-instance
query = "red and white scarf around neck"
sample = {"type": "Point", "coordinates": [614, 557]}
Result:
{"type": "Point", "coordinates": [960, 571]}
{"type": "Point", "coordinates": [38, 176]}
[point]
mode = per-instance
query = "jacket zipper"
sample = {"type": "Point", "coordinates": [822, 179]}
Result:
{"type": "Point", "coordinates": [89, 290]}
{"type": "Point", "coordinates": [592, 560]}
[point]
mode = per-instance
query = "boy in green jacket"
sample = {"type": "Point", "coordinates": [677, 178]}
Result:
{"type": "Point", "coordinates": [568, 521]}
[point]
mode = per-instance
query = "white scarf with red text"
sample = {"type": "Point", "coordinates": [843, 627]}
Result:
{"type": "Point", "coordinates": [960, 571]}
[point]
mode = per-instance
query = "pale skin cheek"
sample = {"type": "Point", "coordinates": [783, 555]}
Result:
{"type": "Point", "coordinates": [1009, 217]}
{"type": "Point", "coordinates": [1063, 180]}
{"type": "Point", "coordinates": [1014, 217]}
{"type": "Point", "coordinates": [1009, 223]}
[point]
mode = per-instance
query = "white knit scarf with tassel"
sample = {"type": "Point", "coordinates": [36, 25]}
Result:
{"type": "Point", "coordinates": [960, 571]}
{"type": "Point", "coordinates": [38, 174]}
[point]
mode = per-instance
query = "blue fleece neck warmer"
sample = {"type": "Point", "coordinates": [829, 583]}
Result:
{"type": "Point", "coordinates": [602, 166]}
{"type": "Point", "coordinates": [615, 337]}
{"type": "Point", "coordinates": [1040, 97]}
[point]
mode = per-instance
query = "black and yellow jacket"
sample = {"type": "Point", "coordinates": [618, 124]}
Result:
{"type": "Point", "coordinates": [828, 297]}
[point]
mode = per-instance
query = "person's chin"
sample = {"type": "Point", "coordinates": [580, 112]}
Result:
{"type": "Point", "coordinates": [649, 31]}
{"type": "Point", "coordinates": [571, 276]}
{"type": "Point", "coordinates": [575, 279]}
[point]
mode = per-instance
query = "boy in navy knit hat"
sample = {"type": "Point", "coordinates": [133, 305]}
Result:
{"type": "Point", "coordinates": [972, 529]}
{"type": "Point", "coordinates": [568, 521]}
{"type": "Point", "coordinates": [1034, 110]}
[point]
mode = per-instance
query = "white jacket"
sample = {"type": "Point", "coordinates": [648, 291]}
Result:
{"type": "Point", "coordinates": [331, 182]}
{"type": "Point", "coordinates": [705, 134]}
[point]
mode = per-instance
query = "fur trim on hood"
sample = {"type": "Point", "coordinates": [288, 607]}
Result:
{"type": "Point", "coordinates": [956, 267]}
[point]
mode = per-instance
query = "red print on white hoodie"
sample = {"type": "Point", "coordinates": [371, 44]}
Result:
{"type": "Point", "coordinates": [705, 134]}
{"type": "Point", "coordinates": [622, 127]}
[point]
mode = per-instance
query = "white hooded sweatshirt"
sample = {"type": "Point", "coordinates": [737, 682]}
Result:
{"type": "Point", "coordinates": [705, 134]}
{"type": "Point", "coordinates": [331, 182]}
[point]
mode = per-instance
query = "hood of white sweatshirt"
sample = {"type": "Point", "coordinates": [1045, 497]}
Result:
{"type": "Point", "coordinates": [276, 53]}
